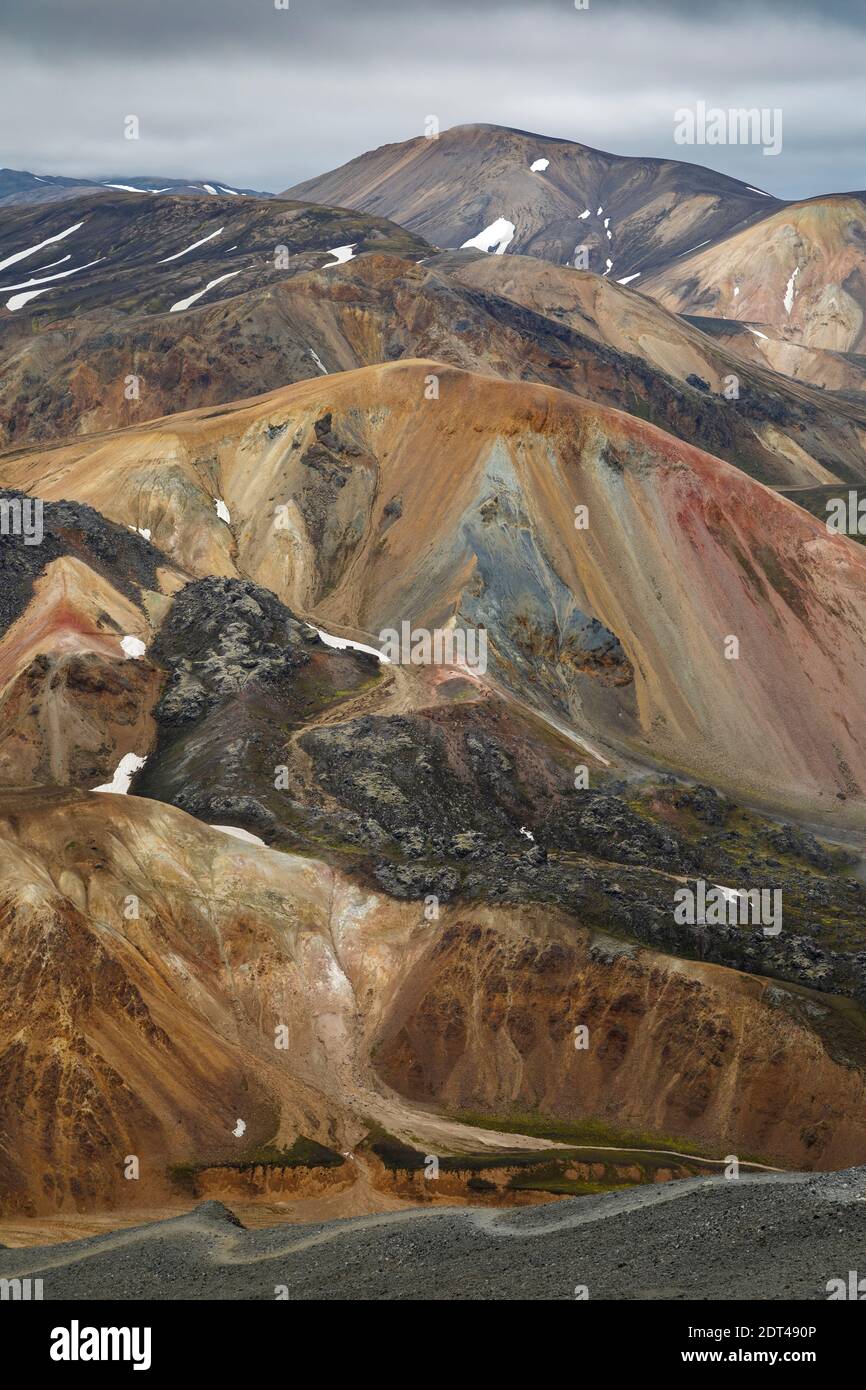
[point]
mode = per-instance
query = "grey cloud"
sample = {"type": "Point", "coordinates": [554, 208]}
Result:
{"type": "Point", "coordinates": [237, 90]}
{"type": "Point", "coordinates": [137, 27]}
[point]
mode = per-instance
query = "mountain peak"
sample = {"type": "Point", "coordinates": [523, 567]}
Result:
{"type": "Point", "coordinates": [552, 198]}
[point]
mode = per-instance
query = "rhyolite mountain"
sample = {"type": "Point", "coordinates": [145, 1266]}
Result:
{"type": "Point", "coordinates": [700, 242]}
{"type": "Point", "coordinates": [620, 627]}
{"type": "Point", "coordinates": [152, 1005]}
{"type": "Point", "coordinates": [799, 276]}
{"type": "Point", "coordinates": [151, 1032]}
{"type": "Point", "coordinates": [637, 213]}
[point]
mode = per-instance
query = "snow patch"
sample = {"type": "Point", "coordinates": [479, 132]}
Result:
{"type": "Point", "coordinates": [191, 299]}
{"type": "Point", "coordinates": [757, 334]}
{"type": "Point", "coordinates": [133, 647]}
{"type": "Point", "coordinates": [539, 166]}
{"type": "Point", "coordinates": [626, 279]}
{"type": "Point", "coordinates": [209, 188]}
{"type": "Point", "coordinates": [341, 643]}
{"type": "Point", "coordinates": [758, 190]}
{"type": "Point", "coordinates": [141, 531]}
{"type": "Point", "coordinates": [583, 215]}
{"type": "Point", "coordinates": [527, 833]}
{"type": "Point", "coordinates": [186, 250]}
{"type": "Point", "coordinates": [49, 265]}
{"type": "Point", "coordinates": [49, 241]}
{"type": "Point", "coordinates": [240, 1128]}
{"type": "Point", "coordinates": [494, 238]}
{"type": "Point", "coordinates": [342, 253]}
{"type": "Point", "coordinates": [239, 834]}
{"type": "Point", "coordinates": [125, 188]}
{"type": "Point", "coordinates": [318, 361]}
{"type": "Point", "coordinates": [789, 292]}
{"type": "Point", "coordinates": [58, 275]}
{"type": "Point", "coordinates": [609, 264]}
{"type": "Point", "coordinates": [231, 191]}
{"type": "Point", "coordinates": [19, 300]}
{"type": "Point", "coordinates": [222, 511]}
{"type": "Point", "coordinates": [126, 769]}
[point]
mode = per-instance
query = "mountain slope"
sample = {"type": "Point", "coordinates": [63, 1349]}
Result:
{"type": "Point", "coordinates": [156, 960]}
{"type": "Point", "coordinates": [623, 626]}
{"type": "Point", "coordinates": [78, 614]}
{"type": "Point", "coordinates": [802, 272]}
{"type": "Point", "coordinates": [841, 372]}
{"type": "Point", "coordinates": [513, 316]}
{"type": "Point", "coordinates": [123, 252]}
{"type": "Point", "coordinates": [449, 189]}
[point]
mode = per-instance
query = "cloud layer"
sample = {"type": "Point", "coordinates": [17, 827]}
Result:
{"type": "Point", "coordinates": [247, 93]}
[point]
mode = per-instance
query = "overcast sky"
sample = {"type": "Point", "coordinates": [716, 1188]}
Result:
{"type": "Point", "coordinates": [239, 91]}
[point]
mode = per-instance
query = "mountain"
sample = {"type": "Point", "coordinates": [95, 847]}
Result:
{"type": "Point", "coordinates": [639, 663]}
{"type": "Point", "coordinates": [700, 243]}
{"type": "Point", "coordinates": [137, 254]}
{"type": "Point", "coordinates": [156, 961]}
{"type": "Point", "coordinates": [19, 186]}
{"type": "Point", "coordinates": [637, 213]}
{"type": "Point", "coordinates": [800, 275]}
{"type": "Point", "coordinates": [164, 936]}
{"type": "Point", "coordinates": [514, 317]}
{"type": "Point", "coordinates": [287, 912]}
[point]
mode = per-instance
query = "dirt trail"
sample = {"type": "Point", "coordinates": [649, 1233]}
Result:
{"type": "Point", "coordinates": [230, 1247]}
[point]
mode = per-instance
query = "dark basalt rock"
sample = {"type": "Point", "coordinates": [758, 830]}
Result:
{"type": "Point", "coordinates": [706, 803]}
{"type": "Point", "coordinates": [221, 635]}
{"type": "Point", "coordinates": [413, 881]}
{"type": "Point", "coordinates": [125, 559]}
{"type": "Point", "coordinates": [605, 826]}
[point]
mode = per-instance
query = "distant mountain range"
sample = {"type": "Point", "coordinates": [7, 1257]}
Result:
{"type": "Point", "coordinates": [20, 186]}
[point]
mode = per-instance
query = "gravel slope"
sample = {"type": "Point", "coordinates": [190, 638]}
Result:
{"type": "Point", "coordinates": [759, 1238]}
